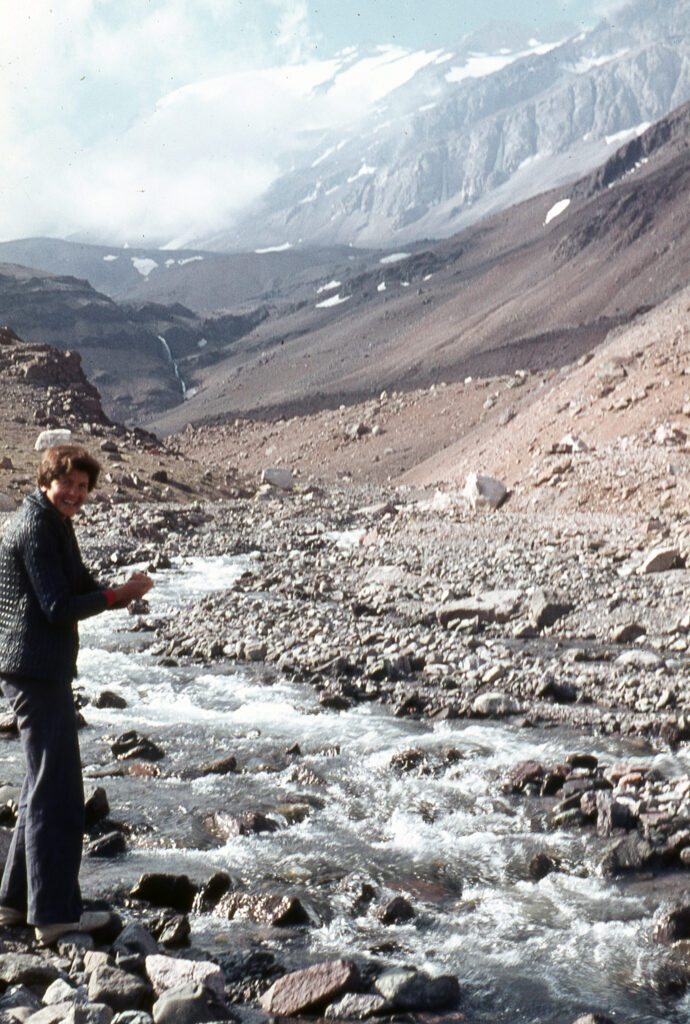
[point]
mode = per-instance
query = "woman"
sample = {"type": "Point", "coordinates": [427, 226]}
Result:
{"type": "Point", "coordinates": [44, 590]}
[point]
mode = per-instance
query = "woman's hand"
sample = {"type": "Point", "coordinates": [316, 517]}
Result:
{"type": "Point", "coordinates": [135, 587]}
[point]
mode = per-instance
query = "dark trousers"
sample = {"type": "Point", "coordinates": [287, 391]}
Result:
{"type": "Point", "coordinates": [41, 874]}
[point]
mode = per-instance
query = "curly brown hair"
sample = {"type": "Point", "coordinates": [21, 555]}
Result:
{"type": "Point", "coordinates": [62, 459]}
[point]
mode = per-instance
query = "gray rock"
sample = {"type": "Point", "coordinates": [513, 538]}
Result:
{"type": "Point", "coordinates": [50, 1014]}
{"type": "Point", "coordinates": [167, 972]}
{"type": "Point", "coordinates": [408, 989]}
{"type": "Point", "coordinates": [396, 911]}
{"type": "Point", "coordinates": [92, 1013]}
{"type": "Point", "coordinates": [166, 890]}
{"type": "Point", "coordinates": [358, 1006]}
{"type": "Point", "coordinates": [60, 991]}
{"type": "Point", "coordinates": [119, 989]}
{"type": "Point", "coordinates": [659, 560]}
{"type": "Point", "coordinates": [134, 938]}
{"type": "Point", "coordinates": [26, 969]}
{"type": "Point", "coordinates": [495, 705]}
{"type": "Point", "coordinates": [632, 853]}
{"type": "Point", "coordinates": [96, 805]}
{"type": "Point", "coordinates": [132, 1017]}
{"type": "Point", "coordinates": [190, 1004]}
{"type": "Point", "coordinates": [19, 995]}
{"type": "Point", "coordinates": [545, 609]}
{"type": "Point", "coordinates": [492, 606]}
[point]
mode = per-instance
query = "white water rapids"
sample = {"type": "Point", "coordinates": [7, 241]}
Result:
{"type": "Point", "coordinates": [523, 951]}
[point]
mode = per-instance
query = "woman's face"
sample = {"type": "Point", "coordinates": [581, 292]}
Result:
{"type": "Point", "coordinates": [69, 492]}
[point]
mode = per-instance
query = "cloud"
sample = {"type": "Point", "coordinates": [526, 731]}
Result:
{"type": "Point", "coordinates": [91, 137]}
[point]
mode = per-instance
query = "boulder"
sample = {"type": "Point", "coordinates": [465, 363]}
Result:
{"type": "Point", "coordinates": [672, 925]}
{"type": "Point", "coordinates": [632, 853]}
{"type": "Point", "coordinates": [659, 560]}
{"type": "Point", "coordinates": [51, 438]}
{"type": "Point", "coordinates": [190, 1004]}
{"type": "Point", "coordinates": [408, 989]}
{"type": "Point", "coordinates": [96, 805]}
{"type": "Point", "coordinates": [164, 890]}
{"type": "Point", "coordinates": [26, 969]}
{"type": "Point", "coordinates": [494, 705]}
{"type": "Point", "coordinates": [279, 911]}
{"type": "Point", "coordinates": [167, 972]}
{"type": "Point", "coordinates": [396, 911]}
{"type": "Point", "coordinates": [356, 1006]}
{"type": "Point", "coordinates": [134, 938]}
{"type": "Point", "coordinates": [7, 503]}
{"type": "Point", "coordinates": [225, 825]}
{"type": "Point", "coordinates": [483, 491]}
{"type": "Point", "coordinates": [491, 606]}
{"type": "Point", "coordinates": [545, 609]}
{"type": "Point", "coordinates": [311, 989]}
{"type": "Point", "coordinates": [118, 989]}
{"type": "Point", "coordinates": [131, 745]}
{"type": "Point", "coordinates": [278, 476]}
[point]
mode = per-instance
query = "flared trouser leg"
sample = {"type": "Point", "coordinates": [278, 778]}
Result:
{"type": "Point", "coordinates": [41, 874]}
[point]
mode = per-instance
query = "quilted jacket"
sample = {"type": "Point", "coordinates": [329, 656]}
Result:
{"type": "Point", "coordinates": [44, 590]}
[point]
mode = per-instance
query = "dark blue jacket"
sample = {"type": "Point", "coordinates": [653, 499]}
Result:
{"type": "Point", "coordinates": [44, 590]}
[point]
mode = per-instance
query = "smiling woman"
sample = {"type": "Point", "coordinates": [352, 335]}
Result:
{"type": "Point", "coordinates": [45, 590]}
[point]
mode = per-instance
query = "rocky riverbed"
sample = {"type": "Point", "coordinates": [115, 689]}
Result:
{"type": "Point", "coordinates": [411, 601]}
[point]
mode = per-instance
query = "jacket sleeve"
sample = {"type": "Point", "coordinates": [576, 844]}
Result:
{"type": "Point", "coordinates": [61, 599]}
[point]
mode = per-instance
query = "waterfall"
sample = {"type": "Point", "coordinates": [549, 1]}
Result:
{"type": "Point", "coordinates": [176, 369]}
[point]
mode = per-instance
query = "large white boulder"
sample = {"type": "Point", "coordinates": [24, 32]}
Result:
{"type": "Point", "coordinates": [481, 491]}
{"type": "Point", "coordinates": [51, 438]}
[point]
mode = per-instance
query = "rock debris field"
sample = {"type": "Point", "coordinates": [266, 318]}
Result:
{"type": "Point", "coordinates": [369, 595]}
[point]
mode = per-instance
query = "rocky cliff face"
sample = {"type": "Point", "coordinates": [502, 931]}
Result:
{"type": "Point", "coordinates": [454, 143]}
{"type": "Point", "coordinates": [142, 358]}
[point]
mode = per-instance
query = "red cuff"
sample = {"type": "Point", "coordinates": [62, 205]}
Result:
{"type": "Point", "coordinates": [111, 597]}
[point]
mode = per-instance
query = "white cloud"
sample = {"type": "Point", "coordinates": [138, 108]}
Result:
{"type": "Point", "coordinates": [89, 138]}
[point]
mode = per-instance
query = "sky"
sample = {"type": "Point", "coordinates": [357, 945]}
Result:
{"type": "Point", "coordinates": [104, 104]}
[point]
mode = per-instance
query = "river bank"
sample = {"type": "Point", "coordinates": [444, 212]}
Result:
{"type": "Point", "coordinates": [360, 598]}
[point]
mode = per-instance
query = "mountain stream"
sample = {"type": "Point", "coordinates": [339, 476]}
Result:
{"type": "Point", "coordinates": [450, 841]}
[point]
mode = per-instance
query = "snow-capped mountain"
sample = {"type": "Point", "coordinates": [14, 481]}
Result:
{"type": "Point", "coordinates": [450, 135]}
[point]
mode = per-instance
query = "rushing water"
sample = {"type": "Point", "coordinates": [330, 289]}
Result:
{"type": "Point", "coordinates": [523, 951]}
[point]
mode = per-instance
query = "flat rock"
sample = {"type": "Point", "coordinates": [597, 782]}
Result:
{"type": "Point", "coordinates": [310, 989]}
{"type": "Point", "coordinates": [492, 606]}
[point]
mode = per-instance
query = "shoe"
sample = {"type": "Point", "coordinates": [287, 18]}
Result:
{"type": "Point", "coordinates": [10, 916]}
{"type": "Point", "coordinates": [90, 921]}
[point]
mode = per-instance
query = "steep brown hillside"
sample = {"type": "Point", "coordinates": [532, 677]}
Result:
{"type": "Point", "coordinates": [532, 288]}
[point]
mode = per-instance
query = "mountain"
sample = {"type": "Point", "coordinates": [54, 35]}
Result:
{"type": "Point", "coordinates": [130, 353]}
{"type": "Point", "coordinates": [469, 130]}
{"type": "Point", "coordinates": [534, 286]}
{"type": "Point", "coordinates": [206, 281]}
